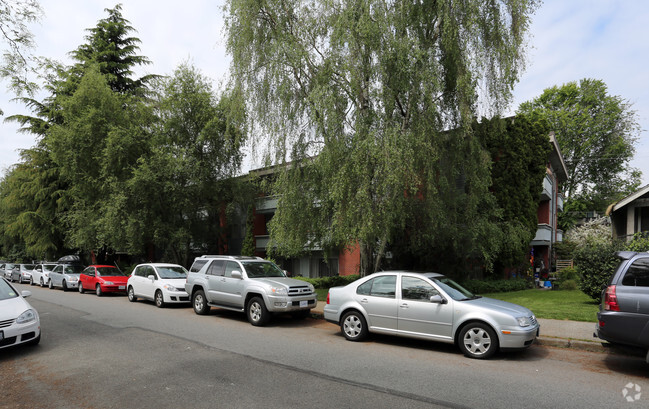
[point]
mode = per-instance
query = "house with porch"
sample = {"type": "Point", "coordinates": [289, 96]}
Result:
{"type": "Point", "coordinates": [630, 215]}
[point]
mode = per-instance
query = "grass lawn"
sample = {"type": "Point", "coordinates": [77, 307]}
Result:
{"type": "Point", "coordinates": [557, 305]}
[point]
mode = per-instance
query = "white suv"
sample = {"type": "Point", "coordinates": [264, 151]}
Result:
{"type": "Point", "coordinates": [247, 284]}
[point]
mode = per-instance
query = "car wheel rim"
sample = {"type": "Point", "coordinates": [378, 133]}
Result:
{"type": "Point", "coordinates": [198, 303]}
{"type": "Point", "coordinates": [158, 299]}
{"type": "Point", "coordinates": [130, 294]}
{"type": "Point", "coordinates": [42, 284]}
{"type": "Point", "coordinates": [255, 311]}
{"type": "Point", "coordinates": [352, 326]}
{"type": "Point", "coordinates": [477, 341]}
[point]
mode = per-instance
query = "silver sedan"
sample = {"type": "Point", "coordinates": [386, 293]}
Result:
{"type": "Point", "coordinates": [429, 306]}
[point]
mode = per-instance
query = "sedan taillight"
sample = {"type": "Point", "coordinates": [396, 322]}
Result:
{"type": "Point", "coordinates": [327, 298]}
{"type": "Point", "coordinates": [610, 299]}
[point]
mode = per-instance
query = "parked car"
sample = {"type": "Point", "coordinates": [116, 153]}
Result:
{"type": "Point", "coordinates": [247, 284]}
{"type": "Point", "coordinates": [162, 283]}
{"type": "Point", "coordinates": [41, 274]}
{"type": "Point", "coordinates": [623, 316]}
{"type": "Point", "coordinates": [65, 276]}
{"type": "Point", "coordinates": [6, 270]}
{"type": "Point", "coordinates": [102, 279]}
{"type": "Point", "coordinates": [19, 321]}
{"type": "Point", "coordinates": [429, 306]}
{"type": "Point", "coordinates": [22, 273]}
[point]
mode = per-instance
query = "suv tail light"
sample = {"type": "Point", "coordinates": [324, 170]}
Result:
{"type": "Point", "coordinates": [610, 299]}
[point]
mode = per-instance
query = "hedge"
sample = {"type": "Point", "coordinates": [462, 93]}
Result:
{"type": "Point", "coordinates": [496, 286]}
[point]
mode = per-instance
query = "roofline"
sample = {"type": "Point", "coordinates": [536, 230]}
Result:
{"type": "Point", "coordinates": [557, 162]}
{"type": "Point", "coordinates": [621, 203]}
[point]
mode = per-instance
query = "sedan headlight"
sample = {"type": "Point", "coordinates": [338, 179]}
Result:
{"type": "Point", "coordinates": [170, 287]}
{"type": "Point", "coordinates": [25, 317]}
{"type": "Point", "coordinates": [108, 283]}
{"type": "Point", "coordinates": [73, 278]}
{"type": "Point", "coordinates": [524, 321]}
{"type": "Point", "coordinates": [279, 290]}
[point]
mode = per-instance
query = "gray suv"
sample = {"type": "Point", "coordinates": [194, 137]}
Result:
{"type": "Point", "coordinates": [623, 317]}
{"type": "Point", "coordinates": [247, 284]}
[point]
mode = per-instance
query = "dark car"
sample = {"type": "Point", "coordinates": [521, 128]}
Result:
{"type": "Point", "coordinates": [623, 316]}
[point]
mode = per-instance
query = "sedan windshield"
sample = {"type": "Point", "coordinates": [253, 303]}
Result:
{"type": "Point", "coordinates": [264, 269]}
{"type": "Point", "coordinates": [454, 290]}
{"type": "Point", "coordinates": [6, 291]}
{"type": "Point", "coordinates": [28, 267]}
{"type": "Point", "coordinates": [73, 269]}
{"type": "Point", "coordinates": [172, 272]}
{"type": "Point", "coordinates": [109, 272]}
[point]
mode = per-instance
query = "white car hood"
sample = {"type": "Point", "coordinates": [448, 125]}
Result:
{"type": "Point", "coordinates": [500, 306]}
{"type": "Point", "coordinates": [11, 308]}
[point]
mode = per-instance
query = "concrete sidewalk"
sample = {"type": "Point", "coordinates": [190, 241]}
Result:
{"type": "Point", "coordinates": [564, 334]}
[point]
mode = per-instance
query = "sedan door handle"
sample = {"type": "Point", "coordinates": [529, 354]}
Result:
{"type": "Point", "coordinates": [404, 305]}
{"type": "Point", "coordinates": [364, 301]}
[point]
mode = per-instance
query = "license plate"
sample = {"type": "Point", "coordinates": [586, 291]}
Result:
{"type": "Point", "coordinates": [304, 303]}
{"type": "Point", "coordinates": [121, 287]}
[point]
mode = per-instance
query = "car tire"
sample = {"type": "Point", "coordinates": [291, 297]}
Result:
{"type": "Point", "coordinates": [42, 283]}
{"type": "Point", "coordinates": [130, 293]}
{"type": "Point", "coordinates": [159, 299]}
{"type": "Point", "coordinates": [81, 290]}
{"type": "Point", "coordinates": [98, 291]}
{"type": "Point", "coordinates": [50, 285]}
{"type": "Point", "coordinates": [199, 302]}
{"type": "Point", "coordinates": [257, 312]}
{"type": "Point", "coordinates": [31, 280]}
{"type": "Point", "coordinates": [353, 326]}
{"type": "Point", "coordinates": [478, 340]}
{"type": "Point", "coordinates": [64, 286]}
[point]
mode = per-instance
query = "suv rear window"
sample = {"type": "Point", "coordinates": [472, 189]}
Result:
{"type": "Point", "coordinates": [638, 274]}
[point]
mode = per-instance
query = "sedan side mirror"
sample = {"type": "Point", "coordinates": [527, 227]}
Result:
{"type": "Point", "coordinates": [151, 277]}
{"type": "Point", "coordinates": [437, 299]}
{"type": "Point", "coordinates": [236, 274]}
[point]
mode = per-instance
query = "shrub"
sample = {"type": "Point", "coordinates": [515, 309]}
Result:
{"type": "Point", "coordinates": [496, 286]}
{"type": "Point", "coordinates": [328, 282]}
{"type": "Point", "coordinates": [596, 264]}
{"type": "Point", "coordinates": [569, 273]}
{"type": "Point", "coordinates": [570, 285]}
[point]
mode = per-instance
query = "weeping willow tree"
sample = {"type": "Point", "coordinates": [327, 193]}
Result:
{"type": "Point", "coordinates": [356, 98]}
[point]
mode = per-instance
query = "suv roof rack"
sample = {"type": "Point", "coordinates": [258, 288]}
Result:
{"type": "Point", "coordinates": [230, 257]}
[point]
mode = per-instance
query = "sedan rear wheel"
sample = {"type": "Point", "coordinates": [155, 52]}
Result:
{"type": "Point", "coordinates": [31, 280]}
{"type": "Point", "coordinates": [478, 340]}
{"type": "Point", "coordinates": [353, 326]}
{"type": "Point", "coordinates": [80, 288]}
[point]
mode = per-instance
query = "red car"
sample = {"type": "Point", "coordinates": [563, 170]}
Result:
{"type": "Point", "coordinates": [102, 279]}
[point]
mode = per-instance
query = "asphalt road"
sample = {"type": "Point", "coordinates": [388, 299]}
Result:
{"type": "Point", "coordinates": [109, 353]}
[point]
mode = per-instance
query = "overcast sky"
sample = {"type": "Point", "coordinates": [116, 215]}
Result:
{"type": "Point", "coordinates": [571, 40]}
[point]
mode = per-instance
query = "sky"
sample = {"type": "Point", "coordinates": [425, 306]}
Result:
{"type": "Point", "coordinates": [570, 40]}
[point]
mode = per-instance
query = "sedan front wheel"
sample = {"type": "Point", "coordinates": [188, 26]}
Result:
{"type": "Point", "coordinates": [98, 291]}
{"type": "Point", "coordinates": [478, 341]}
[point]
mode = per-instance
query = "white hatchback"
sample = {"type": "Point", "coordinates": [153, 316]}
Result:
{"type": "Point", "coordinates": [160, 282]}
{"type": "Point", "coordinates": [19, 322]}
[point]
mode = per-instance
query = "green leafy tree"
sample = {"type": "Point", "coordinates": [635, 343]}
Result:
{"type": "Point", "coordinates": [180, 188]}
{"type": "Point", "coordinates": [17, 61]}
{"type": "Point", "coordinates": [29, 197]}
{"type": "Point", "coordinates": [358, 95]}
{"type": "Point", "coordinates": [597, 133]}
{"type": "Point", "coordinates": [519, 148]}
